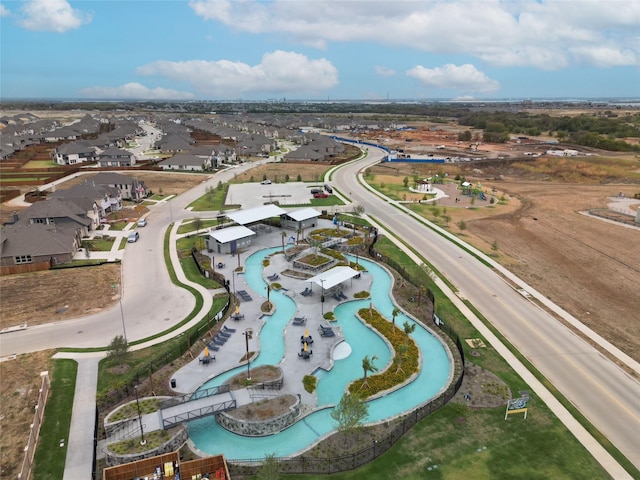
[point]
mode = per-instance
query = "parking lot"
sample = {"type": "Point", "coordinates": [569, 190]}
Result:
{"type": "Point", "coordinates": [250, 195]}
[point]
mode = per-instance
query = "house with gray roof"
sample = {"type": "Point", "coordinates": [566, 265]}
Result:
{"type": "Point", "coordinates": [184, 162]}
{"type": "Point", "coordinates": [95, 199]}
{"type": "Point", "coordinates": [130, 188]}
{"type": "Point", "coordinates": [116, 157]}
{"type": "Point", "coordinates": [75, 152]}
{"type": "Point", "coordinates": [37, 243]}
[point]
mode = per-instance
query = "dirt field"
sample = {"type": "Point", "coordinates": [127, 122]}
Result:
{"type": "Point", "coordinates": [21, 383]}
{"type": "Point", "coordinates": [588, 266]}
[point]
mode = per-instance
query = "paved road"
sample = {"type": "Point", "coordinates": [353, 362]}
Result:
{"type": "Point", "coordinates": [605, 394]}
{"type": "Point", "coordinates": [150, 304]}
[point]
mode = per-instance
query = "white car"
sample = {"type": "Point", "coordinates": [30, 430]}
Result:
{"type": "Point", "coordinates": [265, 182]}
{"type": "Point", "coordinates": [142, 222]}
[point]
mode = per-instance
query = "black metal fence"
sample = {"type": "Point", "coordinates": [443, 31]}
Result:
{"type": "Point", "coordinates": [307, 464]}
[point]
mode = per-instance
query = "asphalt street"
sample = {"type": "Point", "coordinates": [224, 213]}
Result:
{"type": "Point", "coordinates": [603, 392]}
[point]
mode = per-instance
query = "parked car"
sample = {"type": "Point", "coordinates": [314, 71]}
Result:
{"type": "Point", "coordinates": [328, 188]}
{"type": "Point", "coordinates": [133, 237]}
{"type": "Point", "coordinates": [142, 222]}
{"type": "Point", "coordinates": [316, 190]}
{"type": "Point", "coordinates": [320, 195]}
{"type": "Point", "coordinates": [265, 182]}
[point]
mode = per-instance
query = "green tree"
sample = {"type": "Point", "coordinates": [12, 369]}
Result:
{"type": "Point", "coordinates": [197, 224]}
{"type": "Point", "coordinates": [494, 246]}
{"type": "Point", "coordinates": [299, 178]}
{"type": "Point", "coordinates": [409, 328]}
{"type": "Point", "coordinates": [405, 181]}
{"type": "Point", "coordinates": [368, 366]}
{"type": "Point", "coordinates": [350, 412]}
{"type": "Point", "coordinates": [118, 349]}
{"type": "Point", "coordinates": [394, 314]}
{"type": "Point", "coordinates": [269, 468]}
{"type": "Point", "coordinates": [462, 225]}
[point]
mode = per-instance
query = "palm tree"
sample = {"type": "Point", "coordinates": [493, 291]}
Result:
{"type": "Point", "coordinates": [409, 329]}
{"type": "Point", "coordinates": [402, 351]}
{"type": "Point", "coordinates": [368, 366]}
{"type": "Point", "coordinates": [394, 314]}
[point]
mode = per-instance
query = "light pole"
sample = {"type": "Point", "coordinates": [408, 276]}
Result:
{"type": "Point", "coordinates": [322, 297]}
{"type": "Point", "coordinates": [248, 333]}
{"type": "Point", "coordinates": [118, 288]}
{"type": "Point", "coordinates": [142, 440]}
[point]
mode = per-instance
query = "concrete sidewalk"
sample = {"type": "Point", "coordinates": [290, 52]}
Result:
{"type": "Point", "coordinates": [79, 460]}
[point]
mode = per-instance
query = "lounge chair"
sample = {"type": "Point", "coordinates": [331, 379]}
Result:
{"type": "Point", "coordinates": [342, 296]}
{"type": "Point", "coordinates": [306, 292]}
{"type": "Point", "coordinates": [221, 338]}
{"type": "Point", "coordinates": [299, 321]}
{"type": "Point", "coordinates": [217, 342]}
{"type": "Point", "coordinates": [336, 297]}
{"type": "Point", "coordinates": [273, 277]}
{"type": "Point", "coordinates": [212, 346]}
{"type": "Point", "coordinates": [224, 334]}
{"type": "Point", "coordinates": [227, 329]}
{"type": "Point", "coordinates": [326, 331]}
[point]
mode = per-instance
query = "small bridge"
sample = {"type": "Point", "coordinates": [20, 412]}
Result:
{"type": "Point", "coordinates": [198, 404]}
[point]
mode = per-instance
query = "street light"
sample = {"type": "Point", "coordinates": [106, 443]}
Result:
{"type": "Point", "coordinates": [142, 440]}
{"type": "Point", "coordinates": [322, 297]}
{"type": "Point", "coordinates": [118, 287]}
{"type": "Point", "coordinates": [248, 333]}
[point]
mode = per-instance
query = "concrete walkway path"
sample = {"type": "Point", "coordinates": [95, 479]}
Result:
{"type": "Point", "coordinates": [79, 460]}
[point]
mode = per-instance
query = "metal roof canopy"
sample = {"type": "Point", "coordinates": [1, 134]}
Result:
{"type": "Point", "coordinates": [303, 214]}
{"type": "Point", "coordinates": [251, 215]}
{"type": "Point", "coordinates": [333, 277]}
{"type": "Point", "coordinates": [229, 234]}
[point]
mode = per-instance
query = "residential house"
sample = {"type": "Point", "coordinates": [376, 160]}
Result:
{"type": "Point", "coordinates": [75, 152]}
{"type": "Point", "coordinates": [116, 157]}
{"type": "Point", "coordinates": [97, 201]}
{"type": "Point", "coordinates": [130, 188]}
{"type": "Point", "coordinates": [185, 162]}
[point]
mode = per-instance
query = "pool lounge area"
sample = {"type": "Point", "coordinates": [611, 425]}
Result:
{"type": "Point", "coordinates": [335, 363]}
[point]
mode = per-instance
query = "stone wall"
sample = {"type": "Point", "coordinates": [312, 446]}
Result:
{"type": "Point", "coordinates": [173, 444]}
{"type": "Point", "coordinates": [259, 428]}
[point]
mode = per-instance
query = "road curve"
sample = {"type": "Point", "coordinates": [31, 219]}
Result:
{"type": "Point", "coordinates": [604, 393]}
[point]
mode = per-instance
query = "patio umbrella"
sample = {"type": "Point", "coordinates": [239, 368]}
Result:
{"type": "Point", "coordinates": [237, 309]}
{"type": "Point", "coordinates": [305, 346]}
{"type": "Point", "coordinates": [206, 351]}
{"type": "Point", "coordinates": [306, 333]}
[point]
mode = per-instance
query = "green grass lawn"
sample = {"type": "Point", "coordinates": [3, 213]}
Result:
{"type": "Point", "coordinates": [191, 227]}
{"type": "Point", "coordinates": [454, 440]}
{"type": "Point", "coordinates": [99, 244]}
{"type": "Point", "coordinates": [50, 456]}
{"type": "Point", "coordinates": [212, 201]}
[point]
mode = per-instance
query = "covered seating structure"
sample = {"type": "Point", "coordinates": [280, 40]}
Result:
{"type": "Point", "coordinates": [332, 278]}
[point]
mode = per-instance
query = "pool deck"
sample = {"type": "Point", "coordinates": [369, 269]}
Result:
{"type": "Point", "coordinates": [294, 368]}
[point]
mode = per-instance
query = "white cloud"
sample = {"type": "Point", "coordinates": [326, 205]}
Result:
{"type": "Point", "coordinates": [384, 71]}
{"type": "Point", "coordinates": [279, 72]}
{"type": "Point", "coordinates": [542, 34]}
{"type": "Point", "coordinates": [465, 78]}
{"type": "Point", "coordinates": [136, 91]}
{"type": "Point", "coordinates": [51, 16]}
{"type": "Point", "coordinates": [4, 11]}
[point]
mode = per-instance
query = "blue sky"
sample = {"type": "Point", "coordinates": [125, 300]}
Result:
{"type": "Point", "coordinates": [319, 49]}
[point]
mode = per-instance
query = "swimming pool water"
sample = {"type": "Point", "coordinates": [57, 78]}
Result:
{"type": "Point", "coordinates": [209, 437]}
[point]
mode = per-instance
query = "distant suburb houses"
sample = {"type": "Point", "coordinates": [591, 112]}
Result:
{"type": "Point", "coordinates": [50, 232]}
